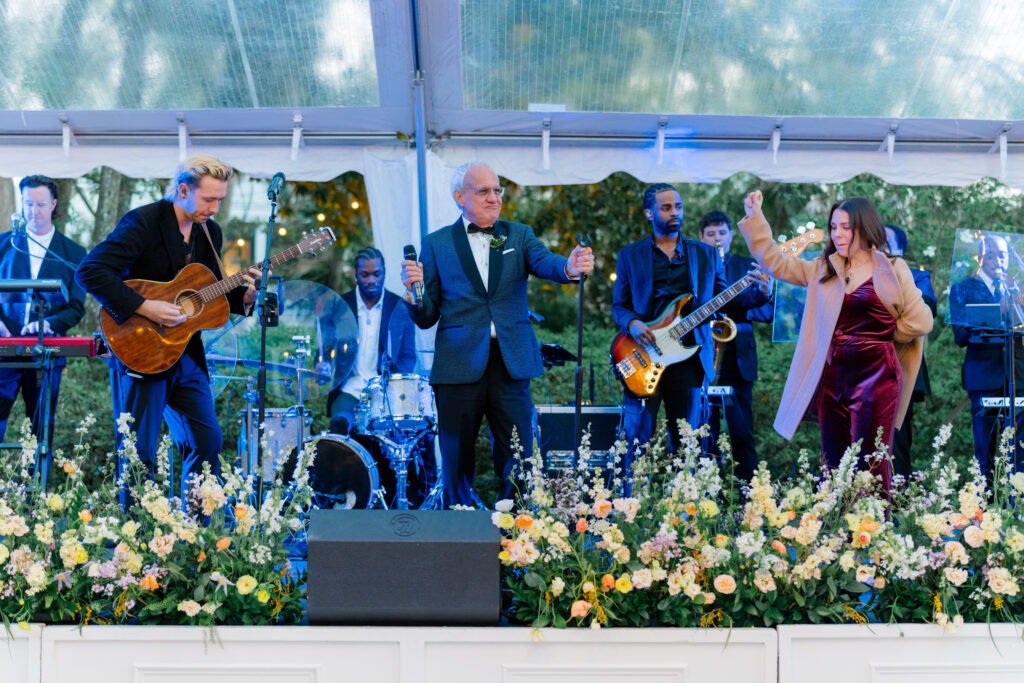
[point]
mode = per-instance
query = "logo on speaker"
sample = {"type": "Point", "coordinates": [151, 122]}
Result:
{"type": "Point", "coordinates": [405, 524]}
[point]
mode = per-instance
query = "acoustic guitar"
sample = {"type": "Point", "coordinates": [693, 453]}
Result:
{"type": "Point", "coordinates": [639, 368]}
{"type": "Point", "coordinates": [148, 347]}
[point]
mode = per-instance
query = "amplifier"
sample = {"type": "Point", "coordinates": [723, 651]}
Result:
{"type": "Point", "coordinates": [554, 427]}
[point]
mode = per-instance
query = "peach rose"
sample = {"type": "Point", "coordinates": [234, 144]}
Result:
{"type": "Point", "coordinates": [580, 608]}
{"type": "Point", "coordinates": [581, 525]}
{"type": "Point", "coordinates": [607, 582]}
{"type": "Point", "coordinates": [779, 547]}
{"type": "Point", "coordinates": [223, 543]}
{"type": "Point", "coordinates": [974, 536]}
{"type": "Point", "coordinates": [85, 516]}
{"type": "Point", "coordinates": [958, 520]}
{"type": "Point", "coordinates": [602, 508]}
{"type": "Point", "coordinates": [725, 584]}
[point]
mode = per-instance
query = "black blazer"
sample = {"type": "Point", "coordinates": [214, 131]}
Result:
{"type": "Point", "coordinates": [983, 368]}
{"type": "Point", "coordinates": [147, 245]}
{"type": "Point", "coordinates": [14, 264]}
{"type": "Point", "coordinates": [736, 267]}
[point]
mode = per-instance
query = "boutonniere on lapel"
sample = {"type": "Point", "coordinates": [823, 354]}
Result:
{"type": "Point", "coordinates": [498, 241]}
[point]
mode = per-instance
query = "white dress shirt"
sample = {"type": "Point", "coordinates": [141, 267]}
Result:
{"type": "Point", "coordinates": [35, 261]}
{"type": "Point", "coordinates": [480, 244]}
{"type": "Point", "coordinates": [366, 358]}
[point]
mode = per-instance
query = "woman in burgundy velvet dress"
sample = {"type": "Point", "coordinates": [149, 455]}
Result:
{"type": "Point", "coordinates": [861, 333]}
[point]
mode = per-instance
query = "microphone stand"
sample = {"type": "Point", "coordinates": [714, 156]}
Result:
{"type": "Point", "coordinates": [261, 311]}
{"type": "Point", "coordinates": [577, 419]}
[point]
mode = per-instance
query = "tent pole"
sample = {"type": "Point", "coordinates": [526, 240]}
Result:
{"type": "Point", "coordinates": [420, 121]}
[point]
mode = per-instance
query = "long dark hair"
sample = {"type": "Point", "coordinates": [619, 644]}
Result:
{"type": "Point", "coordinates": [867, 227]}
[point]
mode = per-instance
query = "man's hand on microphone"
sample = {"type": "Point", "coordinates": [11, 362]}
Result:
{"type": "Point", "coordinates": [412, 272]}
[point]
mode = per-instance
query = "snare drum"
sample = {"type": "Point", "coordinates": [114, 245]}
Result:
{"type": "Point", "coordinates": [343, 475]}
{"type": "Point", "coordinates": [406, 403]}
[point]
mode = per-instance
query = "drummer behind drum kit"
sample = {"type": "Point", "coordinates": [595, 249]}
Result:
{"type": "Point", "coordinates": [394, 420]}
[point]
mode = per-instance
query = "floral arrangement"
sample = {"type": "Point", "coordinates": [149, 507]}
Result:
{"type": "Point", "coordinates": [216, 556]}
{"type": "Point", "coordinates": [689, 549]}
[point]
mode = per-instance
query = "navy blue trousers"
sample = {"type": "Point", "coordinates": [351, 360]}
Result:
{"type": "Point", "coordinates": [183, 398]}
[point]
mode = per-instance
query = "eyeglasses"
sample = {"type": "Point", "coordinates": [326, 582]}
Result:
{"type": "Point", "coordinates": [484, 192]}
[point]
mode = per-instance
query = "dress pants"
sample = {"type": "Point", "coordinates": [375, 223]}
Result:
{"type": "Point", "coordinates": [460, 411]}
{"type": "Point", "coordinates": [680, 389]}
{"type": "Point", "coordinates": [343, 409]}
{"type": "Point", "coordinates": [739, 416]}
{"type": "Point", "coordinates": [987, 431]}
{"type": "Point", "coordinates": [183, 398]}
{"type": "Point", "coordinates": [28, 380]}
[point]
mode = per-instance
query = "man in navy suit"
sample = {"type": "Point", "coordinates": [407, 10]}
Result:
{"type": "Point", "coordinates": [736, 360]}
{"type": "Point", "coordinates": [984, 370]}
{"type": "Point", "coordinates": [386, 337]}
{"type": "Point", "coordinates": [474, 276]}
{"type": "Point", "coordinates": [904, 437]}
{"type": "Point", "coordinates": [650, 274]}
{"type": "Point", "coordinates": [43, 252]}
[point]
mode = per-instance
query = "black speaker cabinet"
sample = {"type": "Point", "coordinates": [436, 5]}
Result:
{"type": "Point", "coordinates": [403, 567]}
{"type": "Point", "coordinates": [555, 427]}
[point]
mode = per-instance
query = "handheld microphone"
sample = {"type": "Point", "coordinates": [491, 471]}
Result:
{"type": "Point", "coordinates": [275, 186]}
{"type": "Point", "coordinates": [417, 287]}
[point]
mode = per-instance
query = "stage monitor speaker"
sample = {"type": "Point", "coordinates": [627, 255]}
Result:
{"type": "Point", "coordinates": [554, 424]}
{"type": "Point", "coordinates": [403, 567]}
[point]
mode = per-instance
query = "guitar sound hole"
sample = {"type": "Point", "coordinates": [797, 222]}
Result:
{"type": "Point", "coordinates": [190, 303]}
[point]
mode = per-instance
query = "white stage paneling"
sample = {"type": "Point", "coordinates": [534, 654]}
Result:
{"type": "Point", "coordinates": [908, 653]}
{"type": "Point", "coordinates": [150, 654]}
{"type": "Point", "coordinates": [20, 653]}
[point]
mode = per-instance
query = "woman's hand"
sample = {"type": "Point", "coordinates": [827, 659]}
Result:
{"type": "Point", "coordinates": [752, 204]}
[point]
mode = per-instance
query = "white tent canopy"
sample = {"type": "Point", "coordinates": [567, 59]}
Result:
{"type": "Point", "coordinates": [546, 91]}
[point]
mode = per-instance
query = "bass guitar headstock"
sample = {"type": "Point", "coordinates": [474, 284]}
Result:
{"type": "Point", "coordinates": [797, 245]}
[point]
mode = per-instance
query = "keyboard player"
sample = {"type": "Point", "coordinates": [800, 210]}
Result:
{"type": "Point", "coordinates": [35, 249]}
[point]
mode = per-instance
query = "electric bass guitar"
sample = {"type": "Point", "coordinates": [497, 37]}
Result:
{"type": "Point", "coordinates": [639, 368]}
{"type": "Point", "coordinates": [148, 347]}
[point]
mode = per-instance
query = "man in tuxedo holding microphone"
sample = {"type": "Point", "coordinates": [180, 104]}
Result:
{"type": "Point", "coordinates": [471, 281]}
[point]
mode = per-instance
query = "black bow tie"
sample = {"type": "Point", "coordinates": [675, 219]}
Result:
{"type": "Point", "coordinates": [473, 227]}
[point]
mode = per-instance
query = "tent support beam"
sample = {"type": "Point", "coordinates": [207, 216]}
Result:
{"type": "Point", "coordinates": [420, 121]}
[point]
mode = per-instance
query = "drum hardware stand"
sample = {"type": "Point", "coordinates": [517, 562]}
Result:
{"type": "Point", "coordinates": [399, 457]}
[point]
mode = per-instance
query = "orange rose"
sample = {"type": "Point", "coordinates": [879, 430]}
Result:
{"type": "Point", "coordinates": [200, 557]}
{"type": "Point", "coordinates": [85, 516]}
{"type": "Point", "coordinates": [148, 582]}
{"type": "Point", "coordinates": [690, 508]}
{"type": "Point", "coordinates": [69, 468]}
{"type": "Point", "coordinates": [240, 511]}
{"type": "Point", "coordinates": [868, 525]}
{"type": "Point", "coordinates": [779, 547]}
{"type": "Point", "coordinates": [223, 543]}
{"type": "Point", "coordinates": [791, 515]}
{"type": "Point", "coordinates": [607, 582]}
{"type": "Point", "coordinates": [581, 525]}
{"type": "Point", "coordinates": [524, 521]}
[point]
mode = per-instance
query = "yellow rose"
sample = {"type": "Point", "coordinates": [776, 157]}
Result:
{"type": "Point", "coordinates": [246, 584]}
{"type": "Point", "coordinates": [263, 596]}
{"type": "Point", "coordinates": [55, 502]}
{"type": "Point", "coordinates": [623, 584]}
{"type": "Point", "coordinates": [4, 553]}
{"type": "Point", "coordinates": [709, 508]}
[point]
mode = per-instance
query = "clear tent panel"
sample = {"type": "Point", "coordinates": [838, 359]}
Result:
{"type": "Point", "coordinates": [874, 58]}
{"type": "Point", "coordinates": [133, 54]}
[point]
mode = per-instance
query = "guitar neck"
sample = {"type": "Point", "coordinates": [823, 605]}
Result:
{"type": "Point", "coordinates": [691, 321]}
{"type": "Point", "coordinates": [219, 289]}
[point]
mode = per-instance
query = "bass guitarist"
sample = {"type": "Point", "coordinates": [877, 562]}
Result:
{"type": "Point", "coordinates": [154, 242]}
{"type": "Point", "coordinates": [650, 274]}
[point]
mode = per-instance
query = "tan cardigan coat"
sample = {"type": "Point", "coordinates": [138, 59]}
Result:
{"type": "Point", "coordinates": [894, 286]}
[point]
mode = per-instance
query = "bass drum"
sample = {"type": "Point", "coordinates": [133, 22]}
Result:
{"type": "Point", "coordinates": [343, 476]}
